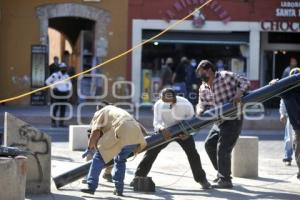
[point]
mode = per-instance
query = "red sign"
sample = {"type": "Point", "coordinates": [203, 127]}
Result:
{"type": "Point", "coordinates": [189, 5]}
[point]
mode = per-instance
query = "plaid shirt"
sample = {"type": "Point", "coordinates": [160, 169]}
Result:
{"type": "Point", "coordinates": [223, 90]}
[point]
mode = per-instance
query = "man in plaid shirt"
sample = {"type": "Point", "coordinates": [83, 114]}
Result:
{"type": "Point", "coordinates": [220, 87]}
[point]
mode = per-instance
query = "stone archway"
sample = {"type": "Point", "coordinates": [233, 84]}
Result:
{"type": "Point", "coordinates": [101, 17]}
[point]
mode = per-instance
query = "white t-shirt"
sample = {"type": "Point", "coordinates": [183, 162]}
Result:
{"type": "Point", "coordinates": [166, 116]}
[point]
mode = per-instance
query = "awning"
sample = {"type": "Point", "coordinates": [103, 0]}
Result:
{"type": "Point", "coordinates": [233, 38]}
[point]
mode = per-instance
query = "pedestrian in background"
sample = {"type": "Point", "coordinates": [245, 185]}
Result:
{"type": "Point", "coordinates": [179, 77]}
{"type": "Point", "coordinates": [192, 82]}
{"type": "Point", "coordinates": [288, 136]}
{"type": "Point", "coordinates": [288, 131]}
{"type": "Point", "coordinates": [293, 64]}
{"type": "Point", "coordinates": [54, 67]}
{"type": "Point", "coordinates": [60, 94]}
{"type": "Point", "coordinates": [166, 74]}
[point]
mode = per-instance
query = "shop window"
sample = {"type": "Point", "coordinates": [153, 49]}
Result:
{"type": "Point", "coordinates": [288, 38]}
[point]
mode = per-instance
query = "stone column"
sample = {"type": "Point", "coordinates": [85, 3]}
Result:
{"type": "Point", "coordinates": [254, 54]}
{"type": "Point", "coordinates": [13, 173]}
{"type": "Point", "coordinates": [245, 157]}
{"type": "Point", "coordinates": [18, 133]}
{"type": "Point", "coordinates": [43, 18]}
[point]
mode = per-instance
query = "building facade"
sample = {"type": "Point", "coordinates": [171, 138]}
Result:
{"type": "Point", "coordinates": [252, 37]}
{"type": "Point", "coordinates": [82, 33]}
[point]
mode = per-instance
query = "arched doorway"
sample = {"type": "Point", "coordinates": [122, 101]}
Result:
{"type": "Point", "coordinates": [83, 27]}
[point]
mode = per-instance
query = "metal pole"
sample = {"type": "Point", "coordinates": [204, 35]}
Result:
{"type": "Point", "coordinates": [194, 124]}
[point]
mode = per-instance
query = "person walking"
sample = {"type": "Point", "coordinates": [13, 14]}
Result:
{"type": "Point", "coordinates": [288, 131]}
{"type": "Point", "coordinates": [288, 134]}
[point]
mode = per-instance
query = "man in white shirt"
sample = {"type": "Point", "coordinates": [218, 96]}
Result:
{"type": "Point", "coordinates": [169, 110]}
{"type": "Point", "coordinates": [60, 94]}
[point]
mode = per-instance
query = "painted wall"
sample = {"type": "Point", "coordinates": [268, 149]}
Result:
{"type": "Point", "coordinates": [237, 10]}
{"type": "Point", "coordinates": [19, 27]}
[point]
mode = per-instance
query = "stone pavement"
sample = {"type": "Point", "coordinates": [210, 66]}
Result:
{"type": "Point", "coordinates": [174, 180]}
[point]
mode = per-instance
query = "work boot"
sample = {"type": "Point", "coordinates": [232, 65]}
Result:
{"type": "Point", "coordinates": [287, 162]}
{"type": "Point", "coordinates": [117, 193]}
{"type": "Point", "coordinates": [84, 181]}
{"type": "Point", "coordinates": [226, 184]}
{"type": "Point", "coordinates": [216, 180]}
{"type": "Point", "coordinates": [205, 184]}
{"type": "Point", "coordinates": [132, 182]}
{"type": "Point", "coordinates": [107, 177]}
{"type": "Point", "coordinates": [88, 191]}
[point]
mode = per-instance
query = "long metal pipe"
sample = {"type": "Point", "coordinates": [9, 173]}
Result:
{"type": "Point", "coordinates": [190, 126]}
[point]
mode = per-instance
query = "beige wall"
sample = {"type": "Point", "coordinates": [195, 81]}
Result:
{"type": "Point", "coordinates": [19, 27]}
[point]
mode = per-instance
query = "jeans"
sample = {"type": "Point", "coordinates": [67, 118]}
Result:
{"type": "Point", "coordinates": [288, 141]}
{"type": "Point", "coordinates": [219, 145]}
{"type": "Point", "coordinates": [190, 150]}
{"type": "Point", "coordinates": [118, 170]}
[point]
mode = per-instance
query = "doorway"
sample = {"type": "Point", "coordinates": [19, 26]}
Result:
{"type": "Point", "coordinates": [275, 63]}
{"type": "Point", "coordinates": [71, 20]}
{"type": "Point", "coordinates": [71, 39]}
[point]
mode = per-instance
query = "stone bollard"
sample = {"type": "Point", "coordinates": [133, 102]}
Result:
{"type": "Point", "coordinates": [78, 137]}
{"type": "Point", "coordinates": [22, 135]}
{"type": "Point", "coordinates": [245, 157]}
{"type": "Point", "coordinates": [13, 173]}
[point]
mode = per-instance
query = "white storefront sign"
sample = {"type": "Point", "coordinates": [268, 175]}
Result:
{"type": "Point", "coordinates": [288, 9]}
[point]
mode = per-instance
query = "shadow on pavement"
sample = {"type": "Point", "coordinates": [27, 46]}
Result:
{"type": "Point", "coordinates": [53, 197]}
{"type": "Point", "coordinates": [237, 193]}
{"type": "Point", "coordinates": [62, 158]}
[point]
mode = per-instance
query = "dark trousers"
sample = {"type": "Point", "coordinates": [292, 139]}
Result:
{"type": "Point", "coordinates": [297, 149]}
{"type": "Point", "coordinates": [219, 144]}
{"type": "Point", "coordinates": [189, 148]}
{"type": "Point", "coordinates": [61, 108]}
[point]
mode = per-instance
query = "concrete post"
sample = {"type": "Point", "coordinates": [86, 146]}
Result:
{"type": "Point", "coordinates": [13, 173]}
{"type": "Point", "coordinates": [78, 137]}
{"type": "Point", "coordinates": [245, 157]}
{"type": "Point", "coordinates": [18, 133]}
